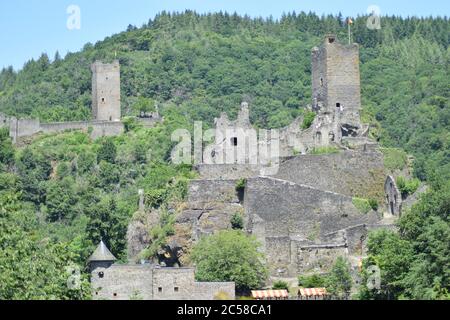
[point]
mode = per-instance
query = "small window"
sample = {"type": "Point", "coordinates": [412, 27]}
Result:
{"type": "Point", "coordinates": [234, 141]}
{"type": "Point", "coordinates": [176, 289]}
{"type": "Point", "coordinates": [101, 275]}
{"type": "Point", "coordinates": [331, 39]}
{"type": "Point", "coordinates": [103, 99]}
{"type": "Point", "coordinates": [321, 82]}
{"type": "Point", "coordinates": [115, 294]}
{"type": "Point", "coordinates": [160, 289]}
{"type": "Point", "coordinates": [110, 118]}
{"type": "Point", "coordinates": [338, 105]}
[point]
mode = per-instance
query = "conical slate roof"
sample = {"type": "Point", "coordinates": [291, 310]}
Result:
{"type": "Point", "coordinates": [102, 253]}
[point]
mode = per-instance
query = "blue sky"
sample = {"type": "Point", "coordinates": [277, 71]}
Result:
{"type": "Point", "coordinates": [30, 27]}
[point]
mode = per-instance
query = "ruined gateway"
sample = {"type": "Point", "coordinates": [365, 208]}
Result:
{"type": "Point", "coordinates": [304, 214]}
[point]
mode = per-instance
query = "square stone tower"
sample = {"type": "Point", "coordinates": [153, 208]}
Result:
{"type": "Point", "coordinates": [106, 91]}
{"type": "Point", "coordinates": [336, 82]}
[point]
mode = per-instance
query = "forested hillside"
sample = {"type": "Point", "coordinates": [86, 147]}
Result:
{"type": "Point", "coordinates": [61, 194]}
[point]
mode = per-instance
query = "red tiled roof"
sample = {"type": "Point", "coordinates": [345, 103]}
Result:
{"type": "Point", "coordinates": [270, 294]}
{"type": "Point", "coordinates": [311, 292]}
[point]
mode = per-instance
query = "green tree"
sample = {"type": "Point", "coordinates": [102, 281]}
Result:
{"type": "Point", "coordinates": [34, 268]}
{"type": "Point", "coordinates": [107, 151]}
{"type": "Point", "coordinates": [230, 256]}
{"type": "Point", "coordinates": [339, 281]}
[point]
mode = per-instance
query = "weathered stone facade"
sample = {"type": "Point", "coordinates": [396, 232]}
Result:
{"type": "Point", "coordinates": [20, 128]}
{"type": "Point", "coordinates": [112, 281]}
{"type": "Point", "coordinates": [106, 91]}
{"type": "Point", "coordinates": [393, 197]}
{"type": "Point", "coordinates": [303, 212]}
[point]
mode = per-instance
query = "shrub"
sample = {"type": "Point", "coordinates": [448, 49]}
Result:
{"type": "Point", "coordinates": [373, 204]}
{"type": "Point", "coordinates": [313, 281]}
{"type": "Point", "coordinates": [237, 222]}
{"type": "Point", "coordinates": [363, 205]}
{"type": "Point", "coordinates": [407, 187]}
{"type": "Point", "coordinates": [280, 285]}
{"type": "Point", "coordinates": [325, 150]}
{"type": "Point", "coordinates": [394, 159]}
{"type": "Point", "coordinates": [308, 120]}
{"type": "Point", "coordinates": [240, 184]}
{"type": "Point", "coordinates": [156, 197]}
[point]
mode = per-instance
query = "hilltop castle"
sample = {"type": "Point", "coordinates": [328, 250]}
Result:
{"type": "Point", "coordinates": [106, 110]}
{"type": "Point", "coordinates": [307, 212]}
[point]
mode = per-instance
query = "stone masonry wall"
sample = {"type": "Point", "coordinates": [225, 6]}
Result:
{"type": "Point", "coordinates": [106, 91]}
{"type": "Point", "coordinates": [212, 290]}
{"type": "Point", "coordinates": [147, 282]}
{"type": "Point", "coordinates": [288, 209]}
{"type": "Point", "coordinates": [173, 284]}
{"type": "Point", "coordinates": [120, 282]}
{"type": "Point", "coordinates": [204, 191]}
{"type": "Point", "coordinates": [349, 173]}
{"type": "Point", "coordinates": [29, 127]}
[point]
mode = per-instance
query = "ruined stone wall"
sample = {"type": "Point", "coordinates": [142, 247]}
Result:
{"type": "Point", "coordinates": [214, 290]}
{"type": "Point", "coordinates": [204, 191]}
{"type": "Point", "coordinates": [106, 91]}
{"type": "Point", "coordinates": [29, 127]}
{"type": "Point", "coordinates": [227, 171]}
{"type": "Point", "coordinates": [349, 173]}
{"type": "Point", "coordinates": [393, 197]}
{"type": "Point", "coordinates": [319, 78]}
{"type": "Point", "coordinates": [317, 258]}
{"type": "Point", "coordinates": [23, 128]}
{"type": "Point", "coordinates": [121, 282]}
{"type": "Point", "coordinates": [279, 255]}
{"type": "Point", "coordinates": [106, 129]}
{"type": "Point", "coordinates": [293, 210]}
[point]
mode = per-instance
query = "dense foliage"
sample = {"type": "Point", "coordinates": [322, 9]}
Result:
{"type": "Point", "coordinates": [415, 263]}
{"type": "Point", "coordinates": [61, 194]}
{"type": "Point", "coordinates": [230, 256]}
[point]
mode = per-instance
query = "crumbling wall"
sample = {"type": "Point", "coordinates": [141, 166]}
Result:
{"type": "Point", "coordinates": [393, 197]}
{"type": "Point", "coordinates": [290, 209]}
{"type": "Point", "coordinates": [349, 173]}
{"type": "Point", "coordinates": [28, 127]}
{"type": "Point", "coordinates": [206, 191]}
{"type": "Point", "coordinates": [318, 258]}
{"type": "Point", "coordinates": [227, 171]}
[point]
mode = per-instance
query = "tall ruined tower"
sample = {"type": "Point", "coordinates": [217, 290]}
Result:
{"type": "Point", "coordinates": [106, 91]}
{"type": "Point", "coordinates": [336, 84]}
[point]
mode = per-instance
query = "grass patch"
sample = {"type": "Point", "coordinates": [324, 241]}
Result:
{"type": "Point", "coordinates": [363, 205]}
{"type": "Point", "coordinates": [394, 159]}
{"type": "Point", "coordinates": [308, 120]}
{"type": "Point", "coordinates": [325, 150]}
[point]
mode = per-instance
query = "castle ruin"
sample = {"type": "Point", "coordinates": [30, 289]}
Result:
{"type": "Point", "coordinates": [106, 110]}
{"type": "Point", "coordinates": [112, 281]}
{"type": "Point", "coordinates": [305, 214]}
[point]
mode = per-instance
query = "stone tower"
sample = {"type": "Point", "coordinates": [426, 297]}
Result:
{"type": "Point", "coordinates": [106, 91]}
{"type": "Point", "coordinates": [336, 88]}
{"type": "Point", "coordinates": [101, 259]}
